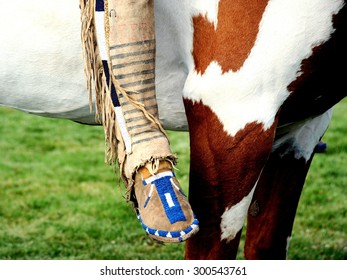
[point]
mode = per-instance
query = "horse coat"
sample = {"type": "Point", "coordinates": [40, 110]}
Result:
{"type": "Point", "coordinates": [257, 80]}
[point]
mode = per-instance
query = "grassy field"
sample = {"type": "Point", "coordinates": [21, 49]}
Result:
{"type": "Point", "coordinates": [58, 199]}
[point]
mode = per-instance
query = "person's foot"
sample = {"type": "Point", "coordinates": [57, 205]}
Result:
{"type": "Point", "coordinates": [162, 208]}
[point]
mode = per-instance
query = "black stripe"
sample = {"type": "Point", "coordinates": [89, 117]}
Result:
{"type": "Point", "coordinates": [138, 110]}
{"type": "Point", "coordinates": [148, 139]}
{"type": "Point", "coordinates": [124, 55]}
{"type": "Point", "coordinates": [138, 126]}
{"type": "Point", "coordinates": [114, 97]}
{"type": "Point", "coordinates": [122, 65]}
{"type": "Point", "coordinates": [140, 82]}
{"type": "Point", "coordinates": [144, 72]}
{"type": "Point", "coordinates": [132, 44]}
{"type": "Point", "coordinates": [135, 119]}
{"type": "Point", "coordinates": [139, 100]}
{"type": "Point", "coordinates": [99, 5]}
{"type": "Point", "coordinates": [143, 90]}
{"type": "Point", "coordinates": [143, 132]}
{"type": "Point", "coordinates": [129, 92]}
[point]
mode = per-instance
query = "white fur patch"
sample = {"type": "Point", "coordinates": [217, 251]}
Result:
{"type": "Point", "coordinates": [50, 66]}
{"type": "Point", "coordinates": [304, 137]}
{"type": "Point", "coordinates": [234, 218]}
{"type": "Point", "coordinates": [208, 9]}
{"type": "Point", "coordinates": [41, 61]}
{"type": "Point", "coordinates": [288, 31]}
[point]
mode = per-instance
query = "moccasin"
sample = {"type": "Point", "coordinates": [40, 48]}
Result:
{"type": "Point", "coordinates": [162, 208]}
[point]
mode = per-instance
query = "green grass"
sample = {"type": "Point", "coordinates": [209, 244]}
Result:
{"type": "Point", "coordinates": [59, 200]}
{"type": "Point", "coordinates": [320, 229]}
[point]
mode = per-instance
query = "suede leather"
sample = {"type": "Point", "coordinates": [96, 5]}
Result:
{"type": "Point", "coordinates": [152, 211]}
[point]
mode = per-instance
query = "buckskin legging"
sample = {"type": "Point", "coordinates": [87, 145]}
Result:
{"type": "Point", "coordinates": [130, 40]}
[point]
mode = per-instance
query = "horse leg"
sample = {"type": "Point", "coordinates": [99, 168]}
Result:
{"type": "Point", "coordinates": [275, 201]}
{"type": "Point", "coordinates": [272, 211]}
{"type": "Point", "coordinates": [223, 172]}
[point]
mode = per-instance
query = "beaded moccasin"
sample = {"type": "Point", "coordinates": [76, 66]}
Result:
{"type": "Point", "coordinates": [162, 208]}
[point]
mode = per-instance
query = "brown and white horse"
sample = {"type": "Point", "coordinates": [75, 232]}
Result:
{"type": "Point", "coordinates": [263, 76]}
{"type": "Point", "coordinates": [258, 80]}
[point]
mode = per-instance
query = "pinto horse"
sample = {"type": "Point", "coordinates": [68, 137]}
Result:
{"type": "Point", "coordinates": [258, 81]}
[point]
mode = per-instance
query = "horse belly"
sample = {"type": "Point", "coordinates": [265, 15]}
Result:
{"type": "Point", "coordinates": [42, 68]}
{"type": "Point", "coordinates": [173, 59]}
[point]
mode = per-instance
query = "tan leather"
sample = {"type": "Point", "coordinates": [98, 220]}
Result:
{"type": "Point", "coordinates": [153, 215]}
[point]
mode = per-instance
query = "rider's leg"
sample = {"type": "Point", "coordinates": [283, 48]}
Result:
{"type": "Point", "coordinates": [143, 150]}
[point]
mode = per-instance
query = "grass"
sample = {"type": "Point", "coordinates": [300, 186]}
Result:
{"type": "Point", "coordinates": [58, 200]}
{"type": "Point", "coordinates": [320, 229]}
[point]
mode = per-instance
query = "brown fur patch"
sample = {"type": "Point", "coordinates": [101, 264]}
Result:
{"type": "Point", "coordinates": [322, 83]}
{"type": "Point", "coordinates": [232, 41]}
{"type": "Point", "coordinates": [277, 196]}
{"type": "Point", "coordinates": [223, 170]}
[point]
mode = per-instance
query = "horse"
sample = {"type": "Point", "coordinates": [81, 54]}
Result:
{"type": "Point", "coordinates": [254, 82]}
